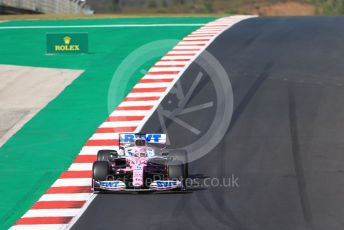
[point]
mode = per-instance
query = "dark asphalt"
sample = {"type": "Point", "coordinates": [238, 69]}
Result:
{"type": "Point", "coordinates": [285, 141]}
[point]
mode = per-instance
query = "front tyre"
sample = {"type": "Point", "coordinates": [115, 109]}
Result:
{"type": "Point", "coordinates": [100, 172]}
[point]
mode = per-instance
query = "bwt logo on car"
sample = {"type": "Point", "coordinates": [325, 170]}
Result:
{"type": "Point", "coordinates": [164, 184]}
{"type": "Point", "coordinates": [148, 137]}
{"type": "Point", "coordinates": [109, 184]}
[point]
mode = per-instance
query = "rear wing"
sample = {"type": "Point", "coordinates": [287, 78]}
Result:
{"type": "Point", "coordinates": [155, 138]}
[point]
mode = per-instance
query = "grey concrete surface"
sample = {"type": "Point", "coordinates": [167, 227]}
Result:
{"type": "Point", "coordinates": [285, 142]}
{"type": "Point", "coordinates": [26, 90]}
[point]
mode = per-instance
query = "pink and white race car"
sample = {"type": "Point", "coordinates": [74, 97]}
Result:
{"type": "Point", "coordinates": [142, 163]}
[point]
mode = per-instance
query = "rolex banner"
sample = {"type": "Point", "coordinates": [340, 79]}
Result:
{"type": "Point", "coordinates": [67, 43]}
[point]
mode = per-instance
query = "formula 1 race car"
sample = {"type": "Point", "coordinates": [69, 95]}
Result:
{"type": "Point", "coordinates": [142, 163]}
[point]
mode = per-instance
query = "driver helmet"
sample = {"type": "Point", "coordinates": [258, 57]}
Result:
{"type": "Point", "coordinates": [140, 142]}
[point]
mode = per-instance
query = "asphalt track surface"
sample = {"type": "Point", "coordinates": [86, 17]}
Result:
{"type": "Point", "coordinates": [285, 141]}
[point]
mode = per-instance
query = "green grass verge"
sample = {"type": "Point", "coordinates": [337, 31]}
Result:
{"type": "Point", "coordinates": [36, 155]}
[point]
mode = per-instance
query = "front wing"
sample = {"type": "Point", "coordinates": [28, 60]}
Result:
{"type": "Point", "coordinates": [119, 186]}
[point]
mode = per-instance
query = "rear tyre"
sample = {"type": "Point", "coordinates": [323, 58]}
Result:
{"type": "Point", "coordinates": [176, 171]}
{"type": "Point", "coordinates": [106, 155]}
{"type": "Point", "coordinates": [180, 155]}
{"type": "Point", "coordinates": [100, 172]}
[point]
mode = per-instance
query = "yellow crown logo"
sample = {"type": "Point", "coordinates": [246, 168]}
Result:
{"type": "Point", "coordinates": [67, 40]}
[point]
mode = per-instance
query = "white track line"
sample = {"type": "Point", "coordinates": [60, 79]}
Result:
{"type": "Point", "coordinates": [39, 227]}
{"type": "Point", "coordinates": [102, 26]}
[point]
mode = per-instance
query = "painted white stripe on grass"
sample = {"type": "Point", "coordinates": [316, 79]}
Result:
{"type": "Point", "coordinates": [39, 227]}
{"type": "Point", "coordinates": [102, 26]}
{"type": "Point", "coordinates": [66, 197]}
{"type": "Point", "coordinates": [82, 166]}
{"type": "Point", "coordinates": [72, 182]}
{"type": "Point", "coordinates": [52, 212]}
